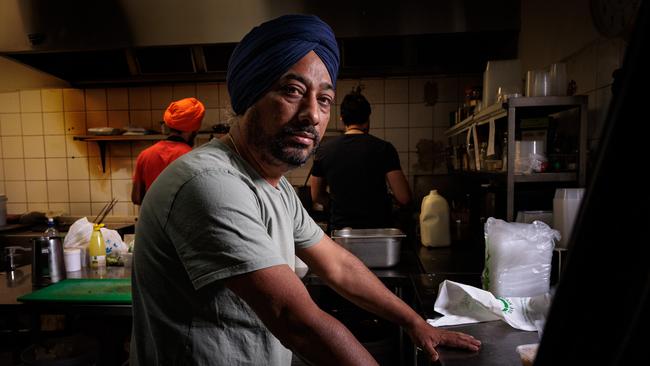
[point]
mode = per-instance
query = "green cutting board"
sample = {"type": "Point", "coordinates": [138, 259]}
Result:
{"type": "Point", "coordinates": [84, 290]}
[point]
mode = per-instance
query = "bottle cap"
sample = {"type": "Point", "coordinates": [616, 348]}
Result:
{"type": "Point", "coordinates": [96, 227]}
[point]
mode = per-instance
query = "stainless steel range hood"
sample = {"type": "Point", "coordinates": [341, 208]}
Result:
{"type": "Point", "coordinates": [149, 41]}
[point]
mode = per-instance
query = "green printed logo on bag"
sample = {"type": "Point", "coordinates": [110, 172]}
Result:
{"type": "Point", "coordinates": [507, 305]}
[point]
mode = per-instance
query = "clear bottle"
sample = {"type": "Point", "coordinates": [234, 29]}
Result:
{"type": "Point", "coordinates": [97, 248]}
{"type": "Point", "coordinates": [51, 231]}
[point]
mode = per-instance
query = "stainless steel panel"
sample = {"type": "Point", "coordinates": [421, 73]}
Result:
{"type": "Point", "coordinates": [376, 248]}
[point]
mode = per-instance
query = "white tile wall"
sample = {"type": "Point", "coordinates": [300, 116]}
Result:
{"type": "Point", "coordinates": [10, 124]}
{"type": "Point", "coordinates": [75, 148]}
{"type": "Point", "coordinates": [118, 119]}
{"type": "Point", "coordinates": [96, 119]}
{"type": "Point", "coordinates": [53, 123]}
{"type": "Point", "coordinates": [420, 115]}
{"type": "Point", "coordinates": [78, 168]}
{"type": "Point", "coordinates": [10, 102]}
{"type": "Point", "coordinates": [57, 191]}
{"type": "Point", "coordinates": [208, 94]}
{"type": "Point", "coordinates": [14, 169]}
{"type": "Point", "coordinates": [95, 99]}
{"type": "Point", "coordinates": [36, 191]}
{"type": "Point", "coordinates": [30, 101]}
{"type": "Point", "coordinates": [180, 91]}
{"type": "Point", "coordinates": [75, 123]}
{"type": "Point", "coordinates": [224, 97]}
{"type": "Point", "coordinates": [396, 115]}
{"type": "Point", "coordinates": [54, 146]}
{"type": "Point", "coordinates": [35, 169]}
{"type": "Point", "coordinates": [33, 147]}
{"type": "Point", "coordinates": [56, 169]}
{"type": "Point", "coordinates": [74, 100]}
{"type": "Point", "coordinates": [79, 190]}
{"type": "Point", "coordinates": [161, 96]}
{"type": "Point", "coordinates": [12, 147]}
{"type": "Point", "coordinates": [140, 98]}
{"type": "Point", "coordinates": [397, 90]}
{"type": "Point", "coordinates": [117, 99]}
{"type": "Point", "coordinates": [32, 123]}
{"type": "Point", "coordinates": [52, 100]}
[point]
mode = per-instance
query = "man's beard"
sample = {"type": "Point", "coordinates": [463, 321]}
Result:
{"type": "Point", "coordinates": [277, 145]}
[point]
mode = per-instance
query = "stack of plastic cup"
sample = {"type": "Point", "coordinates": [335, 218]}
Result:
{"type": "Point", "coordinates": [565, 209]}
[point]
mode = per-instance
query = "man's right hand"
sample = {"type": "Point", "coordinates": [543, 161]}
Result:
{"type": "Point", "coordinates": [427, 338]}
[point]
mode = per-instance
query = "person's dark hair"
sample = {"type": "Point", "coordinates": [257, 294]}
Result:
{"type": "Point", "coordinates": [355, 108]}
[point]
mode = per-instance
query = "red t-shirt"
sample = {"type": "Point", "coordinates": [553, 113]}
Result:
{"type": "Point", "coordinates": [153, 160]}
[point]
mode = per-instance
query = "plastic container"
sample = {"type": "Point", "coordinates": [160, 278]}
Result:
{"type": "Point", "coordinates": [376, 248]}
{"type": "Point", "coordinates": [97, 248]}
{"type": "Point", "coordinates": [434, 221]}
{"type": "Point", "coordinates": [500, 74]}
{"type": "Point", "coordinates": [72, 258]}
{"type": "Point", "coordinates": [565, 209]}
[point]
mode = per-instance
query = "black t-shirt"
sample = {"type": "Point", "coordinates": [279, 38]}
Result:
{"type": "Point", "coordinates": [354, 166]}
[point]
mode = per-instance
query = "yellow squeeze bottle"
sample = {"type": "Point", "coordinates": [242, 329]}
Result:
{"type": "Point", "coordinates": [97, 248]}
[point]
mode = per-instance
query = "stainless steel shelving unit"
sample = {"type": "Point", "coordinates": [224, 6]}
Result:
{"type": "Point", "coordinates": [543, 106]}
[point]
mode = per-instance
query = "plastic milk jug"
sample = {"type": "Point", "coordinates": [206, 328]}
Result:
{"type": "Point", "coordinates": [434, 221]}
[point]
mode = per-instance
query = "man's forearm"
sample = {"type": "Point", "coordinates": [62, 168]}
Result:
{"type": "Point", "coordinates": [359, 285]}
{"type": "Point", "coordinates": [323, 340]}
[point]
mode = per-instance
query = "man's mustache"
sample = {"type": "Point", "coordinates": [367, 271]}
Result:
{"type": "Point", "coordinates": [301, 130]}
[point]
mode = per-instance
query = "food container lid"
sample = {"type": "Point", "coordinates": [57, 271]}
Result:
{"type": "Point", "coordinates": [368, 233]}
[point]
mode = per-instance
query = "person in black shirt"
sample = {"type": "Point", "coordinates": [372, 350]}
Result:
{"type": "Point", "coordinates": [359, 170]}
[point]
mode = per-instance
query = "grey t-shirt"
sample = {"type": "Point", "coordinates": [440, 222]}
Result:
{"type": "Point", "coordinates": [210, 216]}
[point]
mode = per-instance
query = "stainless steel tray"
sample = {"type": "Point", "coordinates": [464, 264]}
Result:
{"type": "Point", "coordinates": [376, 248]}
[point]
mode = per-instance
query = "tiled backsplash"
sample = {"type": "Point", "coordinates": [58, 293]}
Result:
{"type": "Point", "coordinates": [43, 168]}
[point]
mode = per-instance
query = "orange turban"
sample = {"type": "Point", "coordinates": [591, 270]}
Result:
{"type": "Point", "coordinates": [185, 115]}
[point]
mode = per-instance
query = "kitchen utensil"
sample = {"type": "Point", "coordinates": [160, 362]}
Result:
{"type": "Point", "coordinates": [47, 261]}
{"type": "Point", "coordinates": [104, 211]}
{"type": "Point", "coordinates": [374, 247]}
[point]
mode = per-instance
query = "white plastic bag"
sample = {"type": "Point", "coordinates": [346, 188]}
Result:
{"type": "Point", "coordinates": [463, 304]}
{"type": "Point", "coordinates": [518, 258]}
{"type": "Point", "coordinates": [79, 234]}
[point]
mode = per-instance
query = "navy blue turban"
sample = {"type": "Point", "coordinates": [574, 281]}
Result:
{"type": "Point", "coordinates": [270, 49]}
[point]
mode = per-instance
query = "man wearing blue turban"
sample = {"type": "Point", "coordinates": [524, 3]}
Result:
{"type": "Point", "coordinates": [213, 274]}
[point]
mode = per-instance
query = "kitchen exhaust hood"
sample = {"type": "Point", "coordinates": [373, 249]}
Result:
{"type": "Point", "coordinates": [108, 42]}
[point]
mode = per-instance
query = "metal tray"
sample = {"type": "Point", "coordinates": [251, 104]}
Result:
{"type": "Point", "coordinates": [376, 248]}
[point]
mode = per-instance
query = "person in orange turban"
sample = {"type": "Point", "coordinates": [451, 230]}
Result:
{"type": "Point", "coordinates": [183, 117]}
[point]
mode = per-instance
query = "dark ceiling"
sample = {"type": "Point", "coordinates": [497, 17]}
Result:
{"type": "Point", "coordinates": [446, 53]}
{"type": "Point", "coordinates": [93, 45]}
